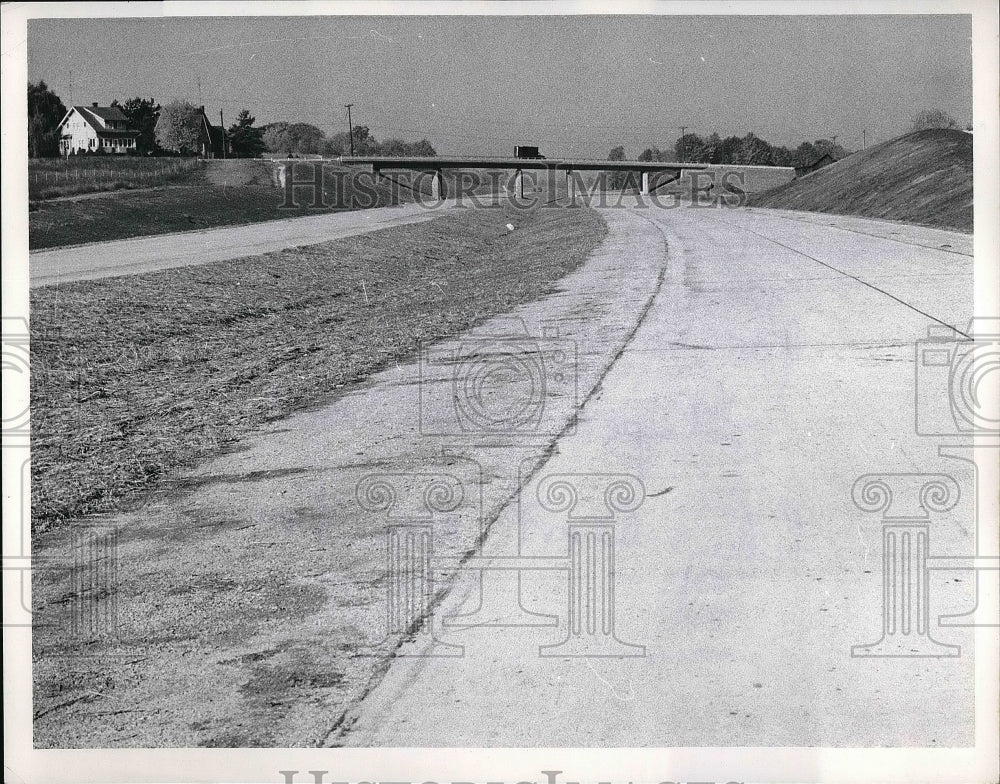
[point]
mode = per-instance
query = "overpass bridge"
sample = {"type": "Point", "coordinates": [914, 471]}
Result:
{"type": "Point", "coordinates": [655, 174]}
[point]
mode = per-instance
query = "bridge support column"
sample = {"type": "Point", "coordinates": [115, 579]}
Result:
{"type": "Point", "coordinates": [519, 184]}
{"type": "Point", "coordinates": [437, 185]}
{"type": "Point", "coordinates": [570, 186]}
{"type": "Point", "coordinates": [644, 188]}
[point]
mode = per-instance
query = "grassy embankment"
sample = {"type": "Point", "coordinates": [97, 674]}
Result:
{"type": "Point", "coordinates": [212, 193]}
{"type": "Point", "coordinates": [134, 376]}
{"type": "Point", "coordinates": [924, 178]}
{"type": "Point", "coordinates": [196, 195]}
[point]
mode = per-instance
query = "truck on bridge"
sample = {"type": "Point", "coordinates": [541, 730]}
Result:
{"type": "Point", "coordinates": [527, 153]}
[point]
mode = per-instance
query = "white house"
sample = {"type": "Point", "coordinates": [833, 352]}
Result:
{"type": "Point", "coordinates": [92, 128]}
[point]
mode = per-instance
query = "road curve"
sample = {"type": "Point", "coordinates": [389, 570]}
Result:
{"type": "Point", "coordinates": [775, 366]}
{"type": "Point", "coordinates": [163, 251]}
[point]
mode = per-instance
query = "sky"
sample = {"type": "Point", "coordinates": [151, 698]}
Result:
{"type": "Point", "coordinates": [571, 85]}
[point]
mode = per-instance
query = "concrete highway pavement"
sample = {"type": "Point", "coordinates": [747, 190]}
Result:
{"type": "Point", "coordinates": [744, 366]}
{"type": "Point", "coordinates": [907, 233]}
{"type": "Point", "coordinates": [774, 367]}
{"type": "Point", "coordinates": [146, 254]}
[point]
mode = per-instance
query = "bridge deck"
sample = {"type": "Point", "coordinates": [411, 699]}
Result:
{"type": "Point", "coordinates": [561, 164]}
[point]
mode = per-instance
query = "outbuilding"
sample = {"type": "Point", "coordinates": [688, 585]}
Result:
{"type": "Point", "coordinates": [817, 163]}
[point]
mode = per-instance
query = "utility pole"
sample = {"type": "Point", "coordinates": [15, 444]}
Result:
{"type": "Point", "coordinates": [864, 138]}
{"type": "Point", "coordinates": [834, 137]}
{"type": "Point", "coordinates": [201, 102]}
{"type": "Point", "coordinates": [70, 88]}
{"type": "Point", "coordinates": [683, 143]}
{"type": "Point", "coordinates": [222, 124]}
{"type": "Point", "coordinates": [350, 126]}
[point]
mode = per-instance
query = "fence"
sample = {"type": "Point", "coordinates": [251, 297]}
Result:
{"type": "Point", "coordinates": [66, 177]}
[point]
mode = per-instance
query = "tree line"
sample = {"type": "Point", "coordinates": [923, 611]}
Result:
{"type": "Point", "coordinates": [751, 150]}
{"type": "Point", "coordinates": [306, 139]}
{"type": "Point", "coordinates": [176, 129]}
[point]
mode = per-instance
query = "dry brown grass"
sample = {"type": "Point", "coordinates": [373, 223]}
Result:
{"type": "Point", "coordinates": [134, 376]}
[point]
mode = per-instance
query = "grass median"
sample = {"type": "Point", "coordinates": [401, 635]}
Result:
{"type": "Point", "coordinates": [214, 193]}
{"type": "Point", "coordinates": [133, 377]}
{"type": "Point", "coordinates": [217, 193]}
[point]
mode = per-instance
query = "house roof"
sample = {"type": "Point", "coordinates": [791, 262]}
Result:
{"type": "Point", "coordinates": [820, 157]}
{"type": "Point", "coordinates": [112, 113]}
{"type": "Point", "coordinates": [94, 116]}
{"type": "Point", "coordinates": [817, 159]}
